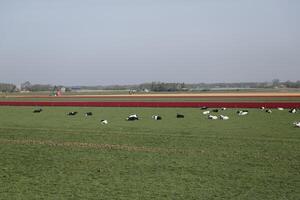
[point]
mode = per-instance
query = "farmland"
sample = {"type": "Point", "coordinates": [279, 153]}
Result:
{"type": "Point", "coordinates": [232, 100]}
{"type": "Point", "coordinates": [49, 155]}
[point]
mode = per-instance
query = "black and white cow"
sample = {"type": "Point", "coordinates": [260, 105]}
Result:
{"type": "Point", "coordinates": [132, 117]}
{"type": "Point", "coordinates": [156, 117]}
{"type": "Point", "coordinates": [297, 124]}
{"type": "Point", "coordinates": [242, 112]}
{"type": "Point", "coordinates": [212, 117]}
{"type": "Point", "coordinates": [88, 114]}
{"type": "Point", "coordinates": [38, 110]}
{"type": "Point", "coordinates": [72, 113]}
{"type": "Point", "coordinates": [293, 110]}
{"type": "Point", "coordinates": [203, 107]}
{"type": "Point", "coordinates": [268, 111]}
{"type": "Point", "coordinates": [223, 117]}
{"type": "Point", "coordinates": [206, 112]}
{"type": "Point", "coordinates": [103, 121]}
{"type": "Point", "coordinates": [179, 115]}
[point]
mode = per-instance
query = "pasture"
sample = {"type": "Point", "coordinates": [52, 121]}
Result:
{"type": "Point", "coordinates": [50, 155]}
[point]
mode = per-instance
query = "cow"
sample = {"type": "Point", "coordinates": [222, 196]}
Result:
{"type": "Point", "coordinates": [280, 108]}
{"type": "Point", "coordinates": [103, 121]}
{"type": "Point", "coordinates": [206, 112]}
{"type": "Point", "coordinates": [156, 117]}
{"type": "Point", "coordinates": [293, 110]}
{"type": "Point", "coordinates": [239, 111]}
{"type": "Point", "coordinates": [268, 111]}
{"type": "Point", "coordinates": [262, 108]}
{"type": "Point", "coordinates": [203, 107]}
{"type": "Point", "coordinates": [212, 117]}
{"type": "Point", "coordinates": [223, 108]}
{"type": "Point", "coordinates": [38, 110]}
{"type": "Point", "coordinates": [297, 124]}
{"type": "Point", "coordinates": [179, 115]}
{"type": "Point", "coordinates": [72, 113]}
{"type": "Point", "coordinates": [88, 114]}
{"type": "Point", "coordinates": [215, 110]}
{"type": "Point", "coordinates": [132, 117]}
{"type": "Point", "coordinates": [223, 117]}
{"type": "Point", "coordinates": [242, 112]}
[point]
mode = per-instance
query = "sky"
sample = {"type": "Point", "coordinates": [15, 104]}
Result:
{"type": "Point", "coordinates": [104, 42]}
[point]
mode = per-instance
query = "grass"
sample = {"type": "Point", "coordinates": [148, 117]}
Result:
{"type": "Point", "coordinates": [53, 156]}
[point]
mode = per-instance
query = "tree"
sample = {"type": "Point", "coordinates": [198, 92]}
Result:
{"type": "Point", "coordinates": [6, 87]}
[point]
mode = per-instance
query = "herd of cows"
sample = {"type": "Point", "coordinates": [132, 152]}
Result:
{"type": "Point", "coordinates": [241, 113]}
{"type": "Point", "coordinates": [207, 112]}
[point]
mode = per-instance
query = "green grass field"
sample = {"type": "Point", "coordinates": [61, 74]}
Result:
{"type": "Point", "coordinates": [53, 156]}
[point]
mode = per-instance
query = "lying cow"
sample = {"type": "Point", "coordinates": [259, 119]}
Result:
{"type": "Point", "coordinates": [156, 117]}
{"type": "Point", "coordinates": [212, 117]}
{"type": "Point", "coordinates": [72, 113]}
{"type": "Point", "coordinates": [206, 112]}
{"type": "Point", "coordinates": [132, 117]}
{"type": "Point", "coordinates": [268, 111]}
{"type": "Point", "coordinates": [203, 107]}
{"type": "Point", "coordinates": [103, 121]}
{"type": "Point", "coordinates": [293, 110]}
{"type": "Point", "coordinates": [280, 108]}
{"type": "Point", "coordinates": [179, 115]}
{"type": "Point", "coordinates": [223, 117]}
{"type": "Point", "coordinates": [242, 112]}
{"type": "Point", "coordinates": [88, 114]}
{"type": "Point", "coordinates": [297, 124]}
{"type": "Point", "coordinates": [37, 110]}
{"type": "Point", "coordinates": [215, 110]}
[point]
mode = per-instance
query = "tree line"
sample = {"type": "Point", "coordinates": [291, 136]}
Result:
{"type": "Point", "coordinates": [153, 86]}
{"type": "Point", "coordinates": [169, 87]}
{"type": "Point", "coordinates": [7, 87]}
{"type": "Point", "coordinates": [27, 86]}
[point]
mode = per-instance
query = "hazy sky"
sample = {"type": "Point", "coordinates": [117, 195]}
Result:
{"type": "Point", "coordinates": [92, 42]}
